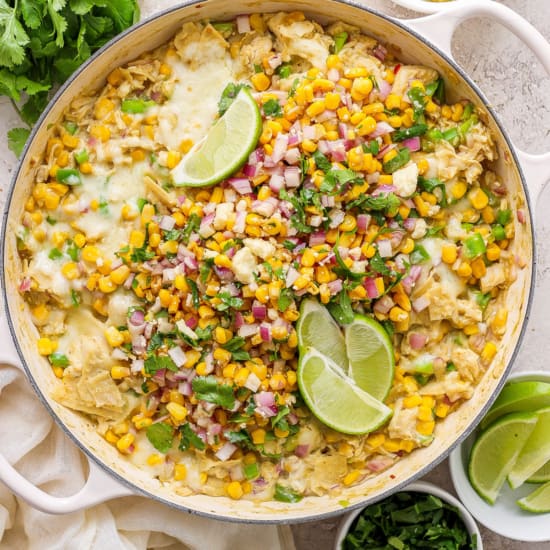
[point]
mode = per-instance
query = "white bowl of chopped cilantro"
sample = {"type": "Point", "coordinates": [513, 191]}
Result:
{"type": "Point", "coordinates": [421, 515]}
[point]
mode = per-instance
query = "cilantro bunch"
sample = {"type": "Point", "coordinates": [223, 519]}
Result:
{"type": "Point", "coordinates": [42, 42]}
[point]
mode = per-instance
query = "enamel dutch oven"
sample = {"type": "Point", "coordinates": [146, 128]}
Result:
{"type": "Point", "coordinates": [425, 41]}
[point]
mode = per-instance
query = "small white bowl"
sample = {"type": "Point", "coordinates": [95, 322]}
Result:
{"type": "Point", "coordinates": [425, 6]}
{"type": "Point", "coordinates": [505, 517]}
{"type": "Point", "coordinates": [418, 487]}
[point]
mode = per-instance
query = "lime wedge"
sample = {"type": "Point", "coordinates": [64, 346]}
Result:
{"type": "Point", "coordinates": [495, 451]}
{"type": "Point", "coordinates": [535, 453]}
{"type": "Point", "coordinates": [538, 501]}
{"type": "Point", "coordinates": [542, 475]}
{"type": "Point", "coordinates": [317, 329]}
{"type": "Point", "coordinates": [334, 398]}
{"type": "Point", "coordinates": [225, 147]}
{"type": "Point", "coordinates": [527, 395]}
{"type": "Point", "coordinates": [370, 355]}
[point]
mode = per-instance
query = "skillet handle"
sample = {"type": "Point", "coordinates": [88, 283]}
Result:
{"type": "Point", "coordinates": [99, 486]}
{"type": "Point", "coordinates": [439, 29]}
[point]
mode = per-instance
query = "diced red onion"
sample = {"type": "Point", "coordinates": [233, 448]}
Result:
{"type": "Point", "coordinates": [363, 221]}
{"type": "Point", "coordinates": [259, 310]}
{"type": "Point", "coordinates": [226, 451]}
{"type": "Point", "coordinates": [316, 238]}
{"type": "Point", "coordinates": [252, 382]}
{"type": "Point", "coordinates": [137, 366]}
{"type": "Point", "coordinates": [276, 183]}
{"type": "Point", "coordinates": [371, 288]}
{"type": "Point", "coordinates": [521, 216]}
{"type": "Point", "coordinates": [239, 320]}
{"type": "Point", "coordinates": [119, 355]}
{"type": "Point", "coordinates": [167, 223]}
{"type": "Point", "coordinates": [265, 404]}
{"type": "Point", "coordinates": [185, 388]}
{"type": "Point", "coordinates": [280, 146]}
{"type": "Point", "coordinates": [309, 132]}
{"type": "Point", "coordinates": [129, 280]}
{"type": "Point", "coordinates": [333, 74]}
{"type": "Point", "coordinates": [266, 207]}
{"type": "Point", "coordinates": [415, 272]}
{"type": "Point", "coordinates": [379, 463]}
{"type": "Point", "coordinates": [240, 221]}
{"type": "Point", "coordinates": [241, 185]}
{"type": "Point", "coordinates": [335, 286]}
{"type": "Point", "coordinates": [417, 340]}
{"type": "Point", "coordinates": [292, 176]}
{"type": "Point", "coordinates": [336, 218]}
{"type": "Point", "coordinates": [256, 156]}
{"type": "Point", "coordinates": [275, 61]}
{"type": "Point", "coordinates": [301, 451]}
{"type": "Point", "coordinates": [243, 24]}
{"type": "Point", "coordinates": [384, 304]}
{"type": "Point", "coordinates": [382, 128]}
{"type": "Point", "coordinates": [265, 332]}
{"type": "Point", "coordinates": [137, 317]}
{"type": "Point", "coordinates": [385, 248]}
{"type": "Point", "coordinates": [409, 224]}
{"type": "Point", "coordinates": [292, 156]}
{"type": "Point", "coordinates": [412, 143]}
{"type": "Point", "coordinates": [177, 355]}
{"type": "Point", "coordinates": [248, 330]}
{"type": "Point", "coordinates": [206, 229]}
{"type": "Point", "coordinates": [291, 275]}
{"type": "Point", "coordinates": [420, 304]}
{"type": "Point", "coordinates": [384, 89]}
{"type": "Point", "coordinates": [250, 170]}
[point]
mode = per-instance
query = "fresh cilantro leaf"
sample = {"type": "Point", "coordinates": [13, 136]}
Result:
{"type": "Point", "coordinates": [292, 91]}
{"type": "Point", "coordinates": [13, 37]}
{"type": "Point", "coordinates": [418, 99]}
{"type": "Point", "coordinates": [340, 308]}
{"type": "Point", "coordinates": [155, 363]}
{"type": "Point", "coordinates": [161, 436]}
{"type": "Point", "coordinates": [289, 245]}
{"type": "Point", "coordinates": [229, 301]}
{"type": "Point", "coordinates": [189, 439]}
{"type": "Point", "coordinates": [228, 95]}
{"type": "Point", "coordinates": [373, 147]}
{"type": "Point", "coordinates": [406, 133]}
{"type": "Point", "coordinates": [272, 108]}
{"type": "Point", "coordinates": [321, 161]}
{"type": "Point", "coordinates": [377, 264]}
{"type": "Point", "coordinates": [286, 297]}
{"type": "Point", "coordinates": [236, 343]}
{"type": "Point", "coordinates": [342, 269]}
{"type": "Point", "coordinates": [403, 156]}
{"type": "Point", "coordinates": [336, 179]}
{"type": "Point", "coordinates": [194, 292]}
{"type": "Point", "coordinates": [17, 137]}
{"type": "Point", "coordinates": [207, 388]}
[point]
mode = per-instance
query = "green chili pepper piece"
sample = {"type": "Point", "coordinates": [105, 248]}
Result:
{"type": "Point", "coordinates": [504, 216]}
{"type": "Point", "coordinates": [475, 245]}
{"type": "Point", "coordinates": [68, 176]}
{"type": "Point", "coordinates": [403, 156]}
{"type": "Point", "coordinates": [498, 232]}
{"type": "Point", "coordinates": [81, 156]}
{"type": "Point", "coordinates": [58, 360]}
{"type": "Point", "coordinates": [419, 255]}
{"type": "Point", "coordinates": [136, 106]}
{"type": "Point", "coordinates": [413, 131]}
{"type": "Point", "coordinates": [339, 40]}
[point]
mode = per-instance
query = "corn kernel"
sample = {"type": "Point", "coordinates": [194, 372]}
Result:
{"type": "Point", "coordinates": [260, 81]}
{"type": "Point", "coordinates": [258, 436]}
{"type": "Point", "coordinates": [118, 373]}
{"type": "Point", "coordinates": [177, 411]}
{"type": "Point", "coordinates": [352, 477]}
{"type": "Point", "coordinates": [459, 189]}
{"type": "Point", "coordinates": [106, 285]}
{"type": "Point", "coordinates": [180, 472]}
{"type": "Point", "coordinates": [464, 270]}
{"type": "Point", "coordinates": [489, 352]}
{"type": "Point", "coordinates": [425, 427]}
{"type": "Point", "coordinates": [114, 337]}
{"type": "Point", "coordinates": [393, 101]}
{"type": "Point", "coordinates": [70, 271]}
{"type": "Point", "coordinates": [391, 445]}
{"type": "Point", "coordinates": [442, 410]}
{"type": "Point", "coordinates": [46, 346]}
{"type": "Point", "coordinates": [449, 253]}
{"type": "Point", "coordinates": [478, 268]}
{"type": "Point", "coordinates": [234, 490]}
{"type": "Point", "coordinates": [124, 444]}
{"type": "Point", "coordinates": [424, 413]}
{"type": "Point", "coordinates": [478, 198]}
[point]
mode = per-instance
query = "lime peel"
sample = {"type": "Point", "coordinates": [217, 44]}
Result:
{"type": "Point", "coordinates": [226, 146]}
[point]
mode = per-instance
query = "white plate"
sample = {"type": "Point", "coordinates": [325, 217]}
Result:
{"type": "Point", "coordinates": [505, 517]}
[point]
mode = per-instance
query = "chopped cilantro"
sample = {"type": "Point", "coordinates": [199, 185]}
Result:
{"type": "Point", "coordinates": [161, 436]}
{"type": "Point", "coordinates": [155, 363]}
{"type": "Point", "coordinates": [286, 297]}
{"type": "Point", "coordinates": [321, 161]}
{"type": "Point", "coordinates": [340, 308]}
{"type": "Point", "coordinates": [403, 156]}
{"type": "Point", "coordinates": [207, 388]}
{"type": "Point", "coordinates": [272, 108]}
{"type": "Point", "coordinates": [228, 95]}
{"type": "Point", "coordinates": [228, 301]}
{"type": "Point", "coordinates": [194, 292]}
{"type": "Point", "coordinates": [189, 439]}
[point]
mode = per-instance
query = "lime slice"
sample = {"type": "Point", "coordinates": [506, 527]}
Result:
{"type": "Point", "coordinates": [535, 453]}
{"type": "Point", "coordinates": [226, 146]}
{"type": "Point", "coordinates": [370, 356]}
{"type": "Point", "coordinates": [542, 475]}
{"type": "Point", "coordinates": [495, 450]}
{"type": "Point", "coordinates": [317, 329]}
{"type": "Point", "coordinates": [334, 398]}
{"type": "Point", "coordinates": [527, 395]}
{"type": "Point", "coordinates": [538, 501]}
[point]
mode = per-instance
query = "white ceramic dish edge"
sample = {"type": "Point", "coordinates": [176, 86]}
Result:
{"type": "Point", "coordinates": [419, 487]}
{"type": "Point", "coordinates": [505, 517]}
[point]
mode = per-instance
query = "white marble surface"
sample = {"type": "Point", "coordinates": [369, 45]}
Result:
{"type": "Point", "coordinates": [514, 82]}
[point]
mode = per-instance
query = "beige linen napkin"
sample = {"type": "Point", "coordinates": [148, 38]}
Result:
{"type": "Point", "coordinates": [42, 453]}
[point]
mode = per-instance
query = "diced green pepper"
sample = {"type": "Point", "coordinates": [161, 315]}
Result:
{"type": "Point", "coordinates": [136, 106]}
{"type": "Point", "coordinates": [498, 232]}
{"type": "Point", "coordinates": [406, 133]}
{"type": "Point", "coordinates": [68, 176]}
{"type": "Point", "coordinates": [71, 127]}
{"type": "Point", "coordinates": [339, 40]}
{"type": "Point", "coordinates": [285, 494]}
{"type": "Point", "coordinates": [284, 70]}
{"type": "Point", "coordinates": [58, 359]}
{"type": "Point", "coordinates": [402, 157]}
{"type": "Point", "coordinates": [251, 471]}
{"type": "Point", "coordinates": [419, 255]}
{"type": "Point", "coordinates": [474, 246]}
{"type": "Point", "coordinates": [504, 216]}
{"type": "Point", "coordinates": [54, 254]}
{"type": "Point", "coordinates": [81, 156]}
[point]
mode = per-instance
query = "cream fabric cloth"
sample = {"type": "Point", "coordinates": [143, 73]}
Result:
{"type": "Point", "coordinates": [43, 454]}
